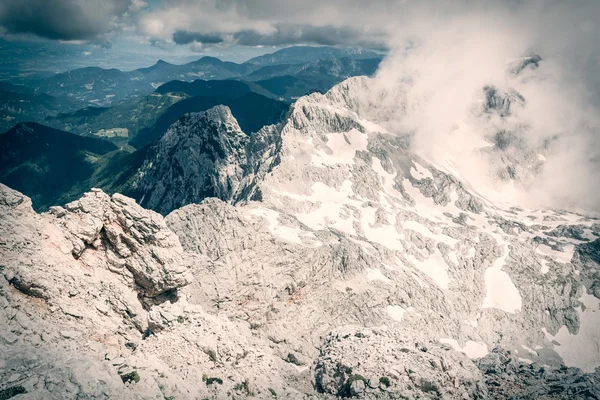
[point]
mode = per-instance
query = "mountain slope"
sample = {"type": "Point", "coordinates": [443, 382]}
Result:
{"type": "Point", "coordinates": [49, 164]}
{"type": "Point", "coordinates": [303, 54]}
{"type": "Point", "coordinates": [119, 123]}
{"type": "Point", "coordinates": [200, 156]}
{"type": "Point", "coordinates": [18, 104]}
{"type": "Point", "coordinates": [252, 111]}
{"type": "Point", "coordinates": [337, 262]}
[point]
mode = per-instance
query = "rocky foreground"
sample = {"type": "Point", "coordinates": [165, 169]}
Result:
{"type": "Point", "coordinates": [338, 264]}
{"type": "Point", "coordinates": [98, 301]}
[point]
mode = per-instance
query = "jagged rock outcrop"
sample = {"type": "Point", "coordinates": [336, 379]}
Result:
{"type": "Point", "coordinates": [204, 155]}
{"type": "Point", "coordinates": [109, 232]}
{"type": "Point", "coordinates": [507, 377]}
{"type": "Point", "coordinates": [377, 364]}
{"type": "Point", "coordinates": [201, 155]}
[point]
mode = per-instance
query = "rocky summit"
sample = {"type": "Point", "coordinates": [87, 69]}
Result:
{"type": "Point", "coordinates": [319, 258]}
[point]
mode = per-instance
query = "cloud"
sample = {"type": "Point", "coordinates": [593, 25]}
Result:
{"type": "Point", "coordinates": [269, 22]}
{"type": "Point", "coordinates": [288, 34]}
{"type": "Point", "coordinates": [185, 37]}
{"type": "Point", "coordinates": [197, 47]}
{"type": "Point", "coordinates": [434, 89]}
{"type": "Point", "coordinates": [65, 19]}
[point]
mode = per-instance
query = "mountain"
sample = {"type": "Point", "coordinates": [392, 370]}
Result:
{"type": "Point", "coordinates": [252, 110]}
{"type": "Point", "coordinates": [161, 68]}
{"type": "Point", "coordinates": [123, 122]}
{"type": "Point", "coordinates": [49, 164]}
{"type": "Point", "coordinates": [95, 85]}
{"type": "Point", "coordinates": [9, 87]}
{"type": "Point", "coordinates": [191, 161]}
{"type": "Point", "coordinates": [36, 163]}
{"type": "Point", "coordinates": [335, 262]}
{"type": "Point", "coordinates": [119, 123]}
{"type": "Point", "coordinates": [19, 104]}
{"type": "Point", "coordinates": [293, 81]}
{"type": "Point", "coordinates": [103, 87]}
{"type": "Point", "coordinates": [304, 54]}
{"type": "Point", "coordinates": [200, 87]}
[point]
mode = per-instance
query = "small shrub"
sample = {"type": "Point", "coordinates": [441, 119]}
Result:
{"type": "Point", "coordinates": [385, 381]}
{"type": "Point", "coordinates": [130, 377]}
{"type": "Point", "coordinates": [239, 386]}
{"type": "Point", "coordinates": [11, 392]}
{"type": "Point", "coordinates": [210, 381]}
{"type": "Point", "coordinates": [273, 393]}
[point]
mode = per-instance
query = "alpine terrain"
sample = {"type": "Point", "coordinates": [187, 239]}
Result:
{"type": "Point", "coordinates": [320, 257]}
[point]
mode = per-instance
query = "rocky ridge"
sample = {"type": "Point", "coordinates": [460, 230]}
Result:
{"type": "Point", "coordinates": [337, 264]}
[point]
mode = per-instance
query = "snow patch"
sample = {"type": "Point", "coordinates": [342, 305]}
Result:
{"type": "Point", "coordinates": [419, 172]}
{"type": "Point", "coordinates": [581, 350]}
{"type": "Point", "coordinates": [385, 235]}
{"type": "Point", "coordinates": [423, 230]}
{"type": "Point", "coordinates": [544, 269]}
{"type": "Point", "coordinates": [563, 257]}
{"type": "Point", "coordinates": [332, 210]}
{"type": "Point", "coordinates": [396, 312]}
{"type": "Point", "coordinates": [284, 232]}
{"type": "Point", "coordinates": [343, 146]}
{"type": "Point", "coordinates": [472, 349]}
{"type": "Point", "coordinates": [387, 179]}
{"type": "Point", "coordinates": [530, 350]}
{"type": "Point", "coordinates": [501, 292]}
{"type": "Point", "coordinates": [376, 275]}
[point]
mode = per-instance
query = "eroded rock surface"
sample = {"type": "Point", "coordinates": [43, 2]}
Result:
{"type": "Point", "coordinates": [336, 264]}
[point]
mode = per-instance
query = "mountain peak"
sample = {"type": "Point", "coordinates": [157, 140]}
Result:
{"type": "Point", "coordinates": [201, 155]}
{"type": "Point", "coordinates": [208, 60]}
{"type": "Point", "coordinates": [221, 113]}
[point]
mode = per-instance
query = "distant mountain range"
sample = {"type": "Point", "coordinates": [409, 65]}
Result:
{"type": "Point", "coordinates": [20, 103]}
{"type": "Point", "coordinates": [317, 67]}
{"type": "Point", "coordinates": [142, 122]}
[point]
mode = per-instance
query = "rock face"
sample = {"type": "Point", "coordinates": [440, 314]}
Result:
{"type": "Point", "coordinates": [200, 156]}
{"type": "Point", "coordinates": [380, 364]}
{"type": "Point", "coordinates": [204, 155]}
{"type": "Point", "coordinates": [507, 377]}
{"type": "Point", "coordinates": [337, 263]}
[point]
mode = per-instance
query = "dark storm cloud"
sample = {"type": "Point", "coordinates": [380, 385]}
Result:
{"type": "Point", "coordinates": [307, 34]}
{"type": "Point", "coordinates": [186, 37]}
{"type": "Point", "coordinates": [62, 19]}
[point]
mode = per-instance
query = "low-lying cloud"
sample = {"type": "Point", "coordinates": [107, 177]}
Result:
{"type": "Point", "coordinates": [555, 135]}
{"type": "Point", "coordinates": [185, 37]}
